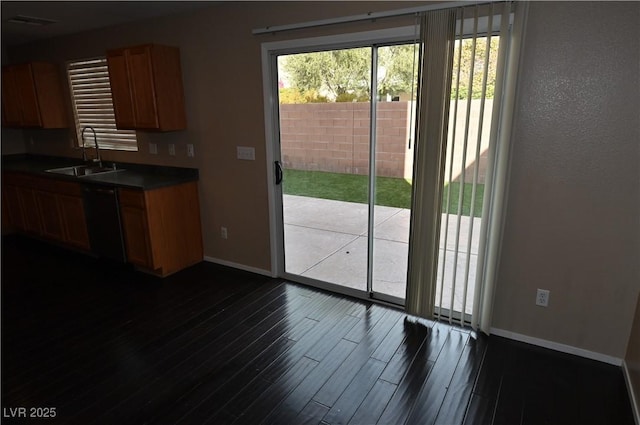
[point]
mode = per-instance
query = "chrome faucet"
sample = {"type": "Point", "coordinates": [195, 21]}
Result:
{"type": "Point", "coordinates": [97, 159]}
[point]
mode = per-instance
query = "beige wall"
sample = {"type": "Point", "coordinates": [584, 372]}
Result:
{"type": "Point", "coordinates": [573, 218]}
{"type": "Point", "coordinates": [632, 358]}
{"type": "Point", "coordinates": [12, 141]}
{"type": "Point", "coordinates": [572, 221]}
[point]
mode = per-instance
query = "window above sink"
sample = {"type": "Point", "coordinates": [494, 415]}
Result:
{"type": "Point", "coordinates": [93, 105]}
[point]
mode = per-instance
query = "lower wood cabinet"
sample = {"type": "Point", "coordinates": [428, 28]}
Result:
{"type": "Point", "coordinates": [74, 221]}
{"type": "Point", "coordinates": [51, 219]}
{"type": "Point", "coordinates": [47, 208]}
{"type": "Point", "coordinates": [162, 227]}
{"type": "Point", "coordinates": [32, 218]}
{"type": "Point", "coordinates": [136, 231]}
{"type": "Point", "coordinates": [22, 209]}
{"type": "Point", "coordinates": [12, 207]}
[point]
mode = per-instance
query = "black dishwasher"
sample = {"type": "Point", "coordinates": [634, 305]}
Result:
{"type": "Point", "coordinates": [103, 221]}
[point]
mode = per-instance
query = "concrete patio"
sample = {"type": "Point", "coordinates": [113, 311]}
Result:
{"type": "Point", "coordinates": [327, 240]}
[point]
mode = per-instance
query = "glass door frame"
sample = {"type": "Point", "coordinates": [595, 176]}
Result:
{"type": "Point", "coordinates": [270, 53]}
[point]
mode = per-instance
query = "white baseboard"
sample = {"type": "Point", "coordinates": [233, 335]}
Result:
{"type": "Point", "coordinates": [238, 266]}
{"type": "Point", "coordinates": [635, 403]}
{"type": "Point", "coordinates": [563, 348]}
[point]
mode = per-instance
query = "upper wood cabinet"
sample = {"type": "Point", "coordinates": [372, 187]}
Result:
{"type": "Point", "coordinates": [146, 86]}
{"type": "Point", "coordinates": [32, 96]}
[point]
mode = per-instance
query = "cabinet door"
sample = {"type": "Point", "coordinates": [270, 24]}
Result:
{"type": "Point", "coordinates": [142, 87]}
{"type": "Point", "coordinates": [13, 207]}
{"type": "Point", "coordinates": [120, 89]}
{"type": "Point", "coordinates": [32, 96]}
{"type": "Point", "coordinates": [50, 96]}
{"type": "Point", "coordinates": [11, 108]}
{"type": "Point", "coordinates": [50, 214]}
{"type": "Point", "coordinates": [73, 219]}
{"type": "Point", "coordinates": [28, 96]}
{"type": "Point", "coordinates": [30, 210]}
{"type": "Point", "coordinates": [136, 236]}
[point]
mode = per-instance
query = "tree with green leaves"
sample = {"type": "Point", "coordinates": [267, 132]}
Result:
{"type": "Point", "coordinates": [345, 75]}
{"type": "Point", "coordinates": [466, 56]}
{"type": "Point", "coordinates": [335, 72]}
{"type": "Point", "coordinates": [400, 64]}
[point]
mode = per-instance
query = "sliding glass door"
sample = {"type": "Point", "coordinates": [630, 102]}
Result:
{"type": "Point", "coordinates": [340, 114]}
{"type": "Point", "coordinates": [346, 157]}
{"type": "Point", "coordinates": [324, 150]}
{"type": "Point", "coordinates": [392, 152]}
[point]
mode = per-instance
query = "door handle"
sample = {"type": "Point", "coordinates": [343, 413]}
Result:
{"type": "Point", "coordinates": [279, 173]}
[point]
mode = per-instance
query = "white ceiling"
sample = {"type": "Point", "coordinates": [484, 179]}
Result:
{"type": "Point", "coordinates": [78, 16]}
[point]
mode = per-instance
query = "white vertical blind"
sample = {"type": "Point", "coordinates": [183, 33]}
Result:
{"type": "Point", "coordinates": [453, 246]}
{"type": "Point", "coordinates": [511, 39]}
{"type": "Point", "coordinates": [472, 146]}
{"type": "Point", "coordinates": [437, 36]}
{"type": "Point", "coordinates": [457, 247]}
{"type": "Point", "coordinates": [93, 105]}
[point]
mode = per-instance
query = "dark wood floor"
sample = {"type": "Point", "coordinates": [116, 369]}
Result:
{"type": "Point", "coordinates": [211, 345]}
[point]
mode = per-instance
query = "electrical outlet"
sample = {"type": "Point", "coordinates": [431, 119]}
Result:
{"type": "Point", "coordinates": [172, 149]}
{"type": "Point", "coordinates": [223, 232]}
{"type": "Point", "coordinates": [542, 298]}
{"type": "Point", "coordinates": [190, 151]}
{"type": "Point", "coordinates": [153, 148]}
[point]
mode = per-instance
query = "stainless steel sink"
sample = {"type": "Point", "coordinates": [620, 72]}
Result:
{"type": "Point", "coordinates": [82, 170]}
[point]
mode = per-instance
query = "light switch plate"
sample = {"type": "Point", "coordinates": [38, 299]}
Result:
{"type": "Point", "coordinates": [172, 149]}
{"type": "Point", "coordinates": [190, 151]}
{"type": "Point", "coordinates": [153, 148]}
{"type": "Point", "coordinates": [246, 152]}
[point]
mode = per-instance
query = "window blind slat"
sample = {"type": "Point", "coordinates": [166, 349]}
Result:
{"type": "Point", "coordinates": [93, 106]}
{"type": "Point", "coordinates": [93, 87]}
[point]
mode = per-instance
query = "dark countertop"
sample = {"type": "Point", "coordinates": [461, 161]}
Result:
{"type": "Point", "coordinates": [135, 176]}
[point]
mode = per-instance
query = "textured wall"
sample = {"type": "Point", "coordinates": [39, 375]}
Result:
{"type": "Point", "coordinates": [632, 358]}
{"type": "Point", "coordinates": [573, 218]}
{"type": "Point", "coordinates": [12, 141]}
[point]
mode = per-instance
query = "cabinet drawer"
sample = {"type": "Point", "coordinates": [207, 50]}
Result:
{"type": "Point", "coordinates": [42, 183]}
{"type": "Point", "coordinates": [132, 198]}
{"type": "Point", "coordinates": [19, 179]}
{"type": "Point", "coordinates": [58, 186]}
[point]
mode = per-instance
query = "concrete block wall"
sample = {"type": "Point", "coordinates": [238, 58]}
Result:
{"type": "Point", "coordinates": [334, 137]}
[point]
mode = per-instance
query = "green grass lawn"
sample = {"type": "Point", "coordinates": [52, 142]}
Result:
{"type": "Point", "coordinates": [392, 192]}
